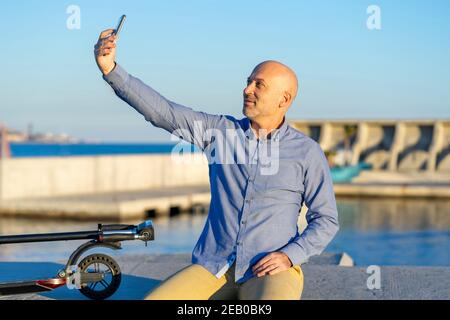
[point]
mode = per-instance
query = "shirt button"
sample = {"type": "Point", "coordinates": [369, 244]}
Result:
{"type": "Point", "coordinates": [238, 243]}
{"type": "Point", "coordinates": [243, 222]}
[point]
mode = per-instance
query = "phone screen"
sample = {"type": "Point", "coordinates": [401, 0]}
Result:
{"type": "Point", "coordinates": [120, 25]}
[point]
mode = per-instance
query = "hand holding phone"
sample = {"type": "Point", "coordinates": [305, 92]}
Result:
{"type": "Point", "coordinates": [105, 49]}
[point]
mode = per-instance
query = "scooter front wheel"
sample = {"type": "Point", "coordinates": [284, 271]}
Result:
{"type": "Point", "coordinates": [110, 276]}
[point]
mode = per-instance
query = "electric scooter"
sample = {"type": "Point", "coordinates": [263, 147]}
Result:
{"type": "Point", "coordinates": [97, 276]}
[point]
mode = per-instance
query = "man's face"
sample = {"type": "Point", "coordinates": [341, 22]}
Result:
{"type": "Point", "coordinates": [262, 95]}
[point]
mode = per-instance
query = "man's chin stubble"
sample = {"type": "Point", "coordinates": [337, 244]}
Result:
{"type": "Point", "coordinates": [246, 113]}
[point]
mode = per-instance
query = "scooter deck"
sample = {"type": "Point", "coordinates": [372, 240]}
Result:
{"type": "Point", "coordinates": [33, 286]}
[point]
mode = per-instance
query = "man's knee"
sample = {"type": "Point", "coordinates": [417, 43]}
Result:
{"type": "Point", "coordinates": [193, 283]}
{"type": "Point", "coordinates": [286, 285]}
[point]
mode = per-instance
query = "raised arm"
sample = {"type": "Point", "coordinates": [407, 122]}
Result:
{"type": "Point", "coordinates": [179, 120]}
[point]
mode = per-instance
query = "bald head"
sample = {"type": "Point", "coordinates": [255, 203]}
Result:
{"type": "Point", "coordinates": [271, 89]}
{"type": "Point", "coordinates": [285, 77]}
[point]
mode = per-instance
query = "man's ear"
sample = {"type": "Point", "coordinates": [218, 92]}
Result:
{"type": "Point", "coordinates": [286, 100]}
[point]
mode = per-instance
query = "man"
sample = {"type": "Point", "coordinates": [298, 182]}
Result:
{"type": "Point", "coordinates": [250, 247]}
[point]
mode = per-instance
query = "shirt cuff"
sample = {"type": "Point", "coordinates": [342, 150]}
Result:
{"type": "Point", "coordinates": [117, 77]}
{"type": "Point", "coordinates": [295, 253]}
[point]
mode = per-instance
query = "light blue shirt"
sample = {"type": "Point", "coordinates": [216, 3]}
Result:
{"type": "Point", "coordinates": [258, 186]}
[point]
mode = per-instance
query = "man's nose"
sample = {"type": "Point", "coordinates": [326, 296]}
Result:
{"type": "Point", "coordinates": [248, 89]}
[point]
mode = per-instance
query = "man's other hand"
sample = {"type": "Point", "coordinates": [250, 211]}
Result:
{"type": "Point", "coordinates": [105, 51]}
{"type": "Point", "coordinates": [272, 264]}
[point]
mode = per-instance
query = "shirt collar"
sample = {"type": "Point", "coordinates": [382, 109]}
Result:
{"type": "Point", "coordinates": [275, 135]}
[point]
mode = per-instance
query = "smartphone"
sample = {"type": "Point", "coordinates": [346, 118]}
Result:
{"type": "Point", "coordinates": [120, 25]}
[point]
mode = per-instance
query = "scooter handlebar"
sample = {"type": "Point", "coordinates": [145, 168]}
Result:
{"type": "Point", "coordinates": [143, 231]}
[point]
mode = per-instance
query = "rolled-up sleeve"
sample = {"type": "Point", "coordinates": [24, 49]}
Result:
{"type": "Point", "coordinates": [177, 119]}
{"type": "Point", "coordinates": [322, 214]}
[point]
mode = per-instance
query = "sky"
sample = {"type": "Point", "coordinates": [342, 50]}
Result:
{"type": "Point", "coordinates": [199, 54]}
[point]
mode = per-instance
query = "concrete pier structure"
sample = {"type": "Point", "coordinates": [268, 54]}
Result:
{"type": "Point", "coordinates": [409, 159]}
{"type": "Point", "coordinates": [398, 146]}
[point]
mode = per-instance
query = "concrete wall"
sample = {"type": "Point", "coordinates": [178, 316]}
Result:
{"type": "Point", "coordinates": [409, 146]}
{"type": "Point", "coordinates": [41, 177]}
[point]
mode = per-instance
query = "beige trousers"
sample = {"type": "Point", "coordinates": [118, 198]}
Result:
{"type": "Point", "coordinates": [196, 283]}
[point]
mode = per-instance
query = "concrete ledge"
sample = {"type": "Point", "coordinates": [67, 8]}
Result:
{"type": "Point", "coordinates": [333, 259]}
{"type": "Point", "coordinates": [117, 206]}
{"type": "Point", "coordinates": [431, 190]}
{"type": "Point", "coordinates": [141, 273]}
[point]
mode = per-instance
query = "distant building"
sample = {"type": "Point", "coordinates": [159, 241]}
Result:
{"type": "Point", "coordinates": [51, 138]}
{"type": "Point", "coordinates": [15, 136]}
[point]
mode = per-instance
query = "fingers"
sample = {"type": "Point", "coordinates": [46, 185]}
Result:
{"type": "Point", "coordinates": [103, 52]}
{"type": "Point", "coordinates": [105, 33]}
{"type": "Point", "coordinates": [262, 261]}
{"type": "Point", "coordinates": [263, 266]}
{"type": "Point", "coordinates": [275, 270]}
{"type": "Point", "coordinates": [105, 46]}
{"type": "Point", "coordinates": [106, 41]}
{"type": "Point", "coordinates": [271, 264]}
{"type": "Point", "coordinates": [267, 269]}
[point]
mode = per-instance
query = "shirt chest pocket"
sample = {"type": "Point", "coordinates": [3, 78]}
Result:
{"type": "Point", "coordinates": [287, 178]}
